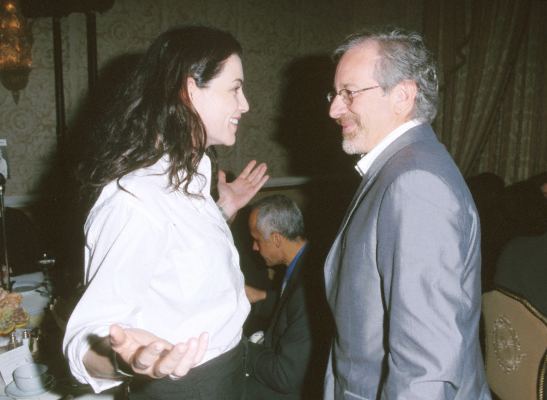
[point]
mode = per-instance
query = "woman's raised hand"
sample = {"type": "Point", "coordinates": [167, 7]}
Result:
{"type": "Point", "coordinates": [236, 194]}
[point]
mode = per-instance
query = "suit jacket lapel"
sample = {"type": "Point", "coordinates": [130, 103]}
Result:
{"type": "Point", "coordinates": [415, 134]}
{"type": "Point", "coordinates": [289, 288]}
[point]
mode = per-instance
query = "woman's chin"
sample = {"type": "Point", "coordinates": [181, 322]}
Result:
{"type": "Point", "coordinates": [224, 142]}
{"type": "Point", "coordinates": [230, 141]}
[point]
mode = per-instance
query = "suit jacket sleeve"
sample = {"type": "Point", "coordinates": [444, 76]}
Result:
{"type": "Point", "coordinates": [283, 366]}
{"type": "Point", "coordinates": [424, 238]}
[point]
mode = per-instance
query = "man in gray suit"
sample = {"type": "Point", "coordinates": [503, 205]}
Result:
{"type": "Point", "coordinates": [403, 275]}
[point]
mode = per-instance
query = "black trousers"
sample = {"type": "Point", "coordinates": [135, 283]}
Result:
{"type": "Point", "coordinates": [222, 378]}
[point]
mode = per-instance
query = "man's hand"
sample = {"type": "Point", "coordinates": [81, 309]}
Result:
{"type": "Point", "coordinates": [150, 355]}
{"type": "Point", "coordinates": [254, 294]}
{"type": "Point", "coordinates": [235, 195]}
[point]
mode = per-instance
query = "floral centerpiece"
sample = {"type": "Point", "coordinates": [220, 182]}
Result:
{"type": "Point", "coordinates": [12, 314]}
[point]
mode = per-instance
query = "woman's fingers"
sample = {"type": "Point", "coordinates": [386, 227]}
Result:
{"type": "Point", "coordinates": [203, 343]}
{"type": "Point", "coordinates": [184, 356]}
{"type": "Point", "coordinates": [147, 357]}
{"type": "Point", "coordinates": [247, 170]}
{"type": "Point", "coordinates": [257, 174]}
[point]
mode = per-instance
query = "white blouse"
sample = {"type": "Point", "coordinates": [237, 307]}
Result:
{"type": "Point", "coordinates": [158, 260]}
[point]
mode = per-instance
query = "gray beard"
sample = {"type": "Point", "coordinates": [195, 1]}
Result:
{"type": "Point", "coordinates": [348, 145]}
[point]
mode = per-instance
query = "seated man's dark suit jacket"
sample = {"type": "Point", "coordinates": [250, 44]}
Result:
{"type": "Point", "coordinates": [290, 364]}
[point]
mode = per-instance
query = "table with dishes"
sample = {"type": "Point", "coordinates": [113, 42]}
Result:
{"type": "Point", "coordinates": [31, 363]}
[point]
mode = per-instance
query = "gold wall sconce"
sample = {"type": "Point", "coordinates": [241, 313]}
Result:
{"type": "Point", "coordinates": [15, 47]}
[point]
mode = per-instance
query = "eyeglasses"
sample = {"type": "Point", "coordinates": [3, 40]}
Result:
{"type": "Point", "coordinates": [347, 95]}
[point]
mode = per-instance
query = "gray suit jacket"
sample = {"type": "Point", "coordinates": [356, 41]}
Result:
{"type": "Point", "coordinates": [403, 281]}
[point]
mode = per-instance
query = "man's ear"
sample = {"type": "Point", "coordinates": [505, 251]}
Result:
{"type": "Point", "coordinates": [404, 95]}
{"type": "Point", "coordinates": [276, 238]}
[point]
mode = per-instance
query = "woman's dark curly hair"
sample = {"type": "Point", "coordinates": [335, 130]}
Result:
{"type": "Point", "coordinates": [152, 114]}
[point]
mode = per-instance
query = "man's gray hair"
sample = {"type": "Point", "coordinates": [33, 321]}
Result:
{"type": "Point", "coordinates": [278, 213]}
{"type": "Point", "coordinates": [403, 57]}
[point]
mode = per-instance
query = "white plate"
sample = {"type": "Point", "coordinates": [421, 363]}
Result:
{"type": "Point", "coordinates": [33, 276]}
{"type": "Point", "coordinates": [34, 302]}
{"type": "Point", "coordinates": [13, 391]}
{"type": "Point", "coordinates": [23, 286]}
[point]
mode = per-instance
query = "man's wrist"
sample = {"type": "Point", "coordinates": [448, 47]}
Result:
{"type": "Point", "coordinates": [262, 295]}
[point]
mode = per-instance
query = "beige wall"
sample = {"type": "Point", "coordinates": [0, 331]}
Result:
{"type": "Point", "coordinates": [285, 44]}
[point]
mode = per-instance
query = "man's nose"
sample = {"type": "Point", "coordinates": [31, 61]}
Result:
{"type": "Point", "coordinates": [337, 107]}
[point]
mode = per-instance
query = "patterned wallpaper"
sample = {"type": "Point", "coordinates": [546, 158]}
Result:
{"type": "Point", "coordinates": [286, 46]}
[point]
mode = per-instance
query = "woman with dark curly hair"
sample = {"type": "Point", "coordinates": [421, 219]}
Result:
{"type": "Point", "coordinates": [165, 294]}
